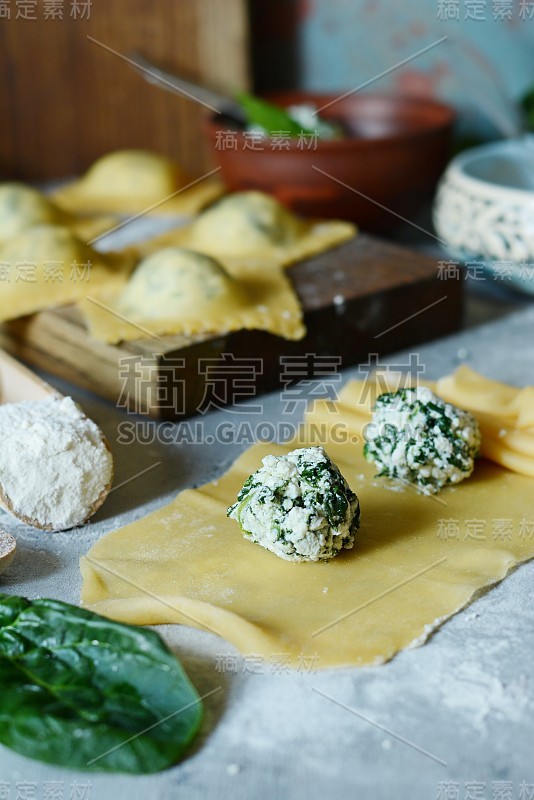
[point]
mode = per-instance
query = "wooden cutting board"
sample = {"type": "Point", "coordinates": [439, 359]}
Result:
{"type": "Point", "coordinates": [364, 298]}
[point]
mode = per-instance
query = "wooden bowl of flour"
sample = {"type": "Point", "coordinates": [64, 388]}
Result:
{"type": "Point", "coordinates": [56, 466]}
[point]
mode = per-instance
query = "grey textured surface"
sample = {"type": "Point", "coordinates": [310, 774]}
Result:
{"type": "Point", "coordinates": [465, 697]}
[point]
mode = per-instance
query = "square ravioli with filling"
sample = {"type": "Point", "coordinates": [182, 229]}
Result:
{"type": "Point", "coordinates": [135, 181]}
{"type": "Point", "coordinates": [177, 290]}
{"type": "Point", "coordinates": [253, 225]}
{"type": "Point", "coordinates": [48, 266]}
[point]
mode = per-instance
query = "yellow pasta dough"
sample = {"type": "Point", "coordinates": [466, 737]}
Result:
{"type": "Point", "coordinates": [416, 561]}
{"type": "Point", "coordinates": [524, 405]}
{"type": "Point", "coordinates": [22, 207]}
{"type": "Point", "coordinates": [177, 290]}
{"type": "Point", "coordinates": [505, 415]}
{"type": "Point", "coordinates": [478, 393]}
{"type": "Point", "coordinates": [48, 266]}
{"type": "Point", "coordinates": [131, 181]}
{"type": "Point", "coordinates": [474, 391]}
{"type": "Point", "coordinates": [251, 225]}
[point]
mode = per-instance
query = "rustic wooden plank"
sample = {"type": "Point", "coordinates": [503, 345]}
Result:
{"type": "Point", "coordinates": [68, 100]}
{"type": "Point", "coordinates": [366, 296]}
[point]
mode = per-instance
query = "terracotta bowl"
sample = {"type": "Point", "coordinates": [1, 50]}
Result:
{"type": "Point", "coordinates": [395, 153]}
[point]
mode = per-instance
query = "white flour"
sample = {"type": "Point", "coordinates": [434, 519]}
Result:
{"type": "Point", "coordinates": [54, 464]}
{"type": "Point", "coordinates": [6, 543]}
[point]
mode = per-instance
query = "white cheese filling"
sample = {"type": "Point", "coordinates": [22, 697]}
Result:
{"type": "Point", "coordinates": [416, 437]}
{"type": "Point", "coordinates": [298, 506]}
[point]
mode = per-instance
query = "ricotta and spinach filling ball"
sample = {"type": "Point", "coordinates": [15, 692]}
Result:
{"type": "Point", "coordinates": [417, 437]}
{"type": "Point", "coordinates": [299, 506]}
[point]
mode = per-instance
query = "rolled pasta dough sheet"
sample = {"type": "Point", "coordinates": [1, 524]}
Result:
{"type": "Point", "coordinates": [416, 561]}
{"type": "Point", "coordinates": [505, 414]}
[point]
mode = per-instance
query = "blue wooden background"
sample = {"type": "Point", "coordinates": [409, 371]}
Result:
{"type": "Point", "coordinates": [486, 61]}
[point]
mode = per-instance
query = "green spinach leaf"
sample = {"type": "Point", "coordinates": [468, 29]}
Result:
{"type": "Point", "coordinates": [87, 693]}
{"type": "Point", "coordinates": [268, 116]}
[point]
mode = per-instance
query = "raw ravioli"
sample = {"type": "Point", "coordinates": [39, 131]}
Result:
{"type": "Point", "coordinates": [253, 225]}
{"type": "Point", "coordinates": [130, 181]}
{"type": "Point", "coordinates": [48, 266]}
{"type": "Point", "coordinates": [176, 290]}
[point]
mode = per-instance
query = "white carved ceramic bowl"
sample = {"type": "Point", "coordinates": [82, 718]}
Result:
{"type": "Point", "coordinates": [484, 208]}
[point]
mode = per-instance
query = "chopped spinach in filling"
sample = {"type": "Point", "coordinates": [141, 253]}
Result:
{"type": "Point", "coordinates": [420, 439]}
{"type": "Point", "coordinates": [299, 506]}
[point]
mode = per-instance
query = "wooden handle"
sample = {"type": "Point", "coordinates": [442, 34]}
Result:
{"type": "Point", "coordinates": [18, 383]}
{"type": "Point", "coordinates": [8, 545]}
